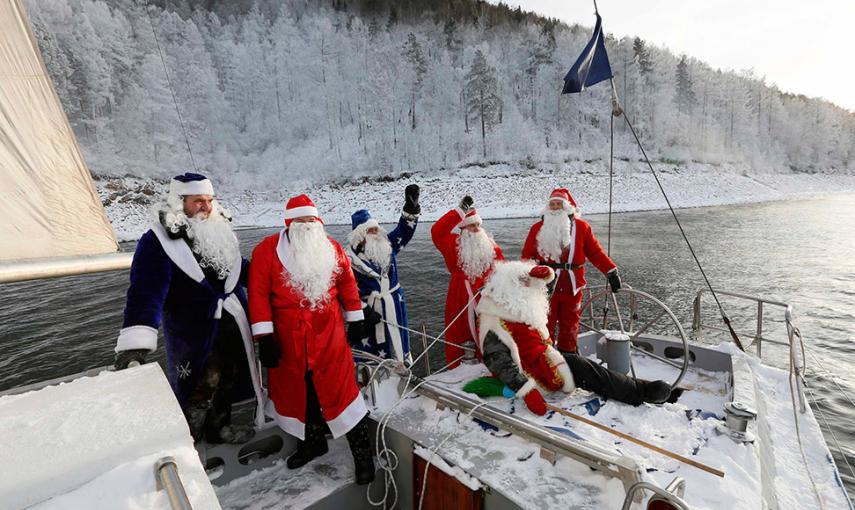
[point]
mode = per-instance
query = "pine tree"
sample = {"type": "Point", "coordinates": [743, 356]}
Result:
{"type": "Point", "coordinates": [642, 57]}
{"type": "Point", "coordinates": [415, 57]}
{"type": "Point", "coordinates": [482, 93]}
{"type": "Point", "coordinates": [685, 95]}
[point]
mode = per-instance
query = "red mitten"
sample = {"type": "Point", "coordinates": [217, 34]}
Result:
{"type": "Point", "coordinates": [542, 273]}
{"type": "Point", "coordinates": [535, 403]}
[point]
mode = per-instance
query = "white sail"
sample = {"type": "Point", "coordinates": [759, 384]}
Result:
{"type": "Point", "coordinates": [48, 204]}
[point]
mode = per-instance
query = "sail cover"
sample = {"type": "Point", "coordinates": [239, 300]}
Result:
{"type": "Point", "coordinates": [48, 204]}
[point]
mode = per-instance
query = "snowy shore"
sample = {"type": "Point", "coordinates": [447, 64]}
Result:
{"type": "Point", "coordinates": [500, 191]}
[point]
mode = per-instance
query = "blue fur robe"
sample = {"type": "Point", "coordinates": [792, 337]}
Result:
{"type": "Point", "coordinates": [383, 292]}
{"type": "Point", "coordinates": [167, 285]}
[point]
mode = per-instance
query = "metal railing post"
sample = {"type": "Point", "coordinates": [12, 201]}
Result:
{"type": "Point", "coordinates": [759, 337]}
{"type": "Point", "coordinates": [166, 476]}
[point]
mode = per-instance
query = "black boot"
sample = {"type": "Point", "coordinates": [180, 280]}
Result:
{"type": "Point", "coordinates": [360, 447]}
{"type": "Point", "coordinates": [313, 447]}
{"type": "Point", "coordinates": [655, 392]}
{"type": "Point", "coordinates": [196, 415]}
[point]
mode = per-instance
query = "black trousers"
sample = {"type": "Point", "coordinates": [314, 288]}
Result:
{"type": "Point", "coordinates": [210, 404]}
{"type": "Point", "coordinates": [594, 377]}
{"type": "Point", "coordinates": [316, 426]}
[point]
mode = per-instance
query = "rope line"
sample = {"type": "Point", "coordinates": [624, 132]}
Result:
{"type": "Point", "coordinates": [724, 316]}
{"type": "Point", "coordinates": [171, 90]}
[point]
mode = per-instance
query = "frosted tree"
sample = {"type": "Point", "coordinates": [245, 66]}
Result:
{"type": "Point", "coordinates": [419, 67]}
{"type": "Point", "coordinates": [483, 101]}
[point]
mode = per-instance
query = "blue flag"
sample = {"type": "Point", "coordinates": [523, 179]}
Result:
{"type": "Point", "coordinates": [592, 66]}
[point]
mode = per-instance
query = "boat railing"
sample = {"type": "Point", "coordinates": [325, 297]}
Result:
{"type": "Point", "coordinates": [166, 475]}
{"type": "Point", "coordinates": [672, 494]}
{"type": "Point", "coordinates": [794, 341]}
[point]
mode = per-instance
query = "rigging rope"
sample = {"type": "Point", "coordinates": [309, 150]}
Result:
{"type": "Point", "coordinates": [171, 90]}
{"type": "Point", "coordinates": [724, 316]}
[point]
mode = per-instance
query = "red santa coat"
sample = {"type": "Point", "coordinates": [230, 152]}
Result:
{"type": "Point", "coordinates": [531, 349]}
{"type": "Point", "coordinates": [582, 245]}
{"type": "Point", "coordinates": [310, 340]}
{"type": "Point", "coordinates": [460, 289]}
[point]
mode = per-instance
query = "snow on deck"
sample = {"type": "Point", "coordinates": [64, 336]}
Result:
{"type": "Point", "coordinates": [282, 488]}
{"type": "Point", "coordinates": [92, 443]}
{"type": "Point", "coordinates": [692, 427]}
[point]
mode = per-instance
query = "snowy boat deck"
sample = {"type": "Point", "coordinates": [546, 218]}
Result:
{"type": "Point", "coordinates": [766, 473]}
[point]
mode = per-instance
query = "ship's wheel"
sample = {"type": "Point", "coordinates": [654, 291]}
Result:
{"type": "Point", "coordinates": [634, 313]}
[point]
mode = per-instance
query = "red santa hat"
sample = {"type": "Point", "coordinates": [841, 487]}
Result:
{"type": "Point", "coordinates": [545, 273]}
{"type": "Point", "coordinates": [563, 194]}
{"type": "Point", "coordinates": [471, 218]}
{"type": "Point", "coordinates": [300, 206]}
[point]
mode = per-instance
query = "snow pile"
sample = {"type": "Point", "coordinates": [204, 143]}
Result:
{"type": "Point", "coordinates": [93, 443]}
{"type": "Point", "coordinates": [692, 427]}
{"type": "Point", "coordinates": [500, 191]}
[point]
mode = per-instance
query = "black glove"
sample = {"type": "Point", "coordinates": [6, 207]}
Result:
{"type": "Point", "coordinates": [355, 333]}
{"type": "Point", "coordinates": [124, 358]}
{"type": "Point", "coordinates": [269, 351]}
{"type": "Point", "coordinates": [411, 200]}
{"type": "Point", "coordinates": [466, 204]}
{"type": "Point", "coordinates": [614, 280]}
{"type": "Point", "coordinates": [372, 317]}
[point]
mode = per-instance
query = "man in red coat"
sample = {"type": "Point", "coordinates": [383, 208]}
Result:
{"type": "Point", "coordinates": [299, 281]}
{"type": "Point", "coordinates": [562, 241]}
{"type": "Point", "coordinates": [469, 256]}
{"type": "Point", "coordinates": [518, 349]}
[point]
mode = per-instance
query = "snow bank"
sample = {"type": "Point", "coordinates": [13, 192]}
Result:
{"type": "Point", "coordinates": [93, 442]}
{"type": "Point", "coordinates": [500, 191]}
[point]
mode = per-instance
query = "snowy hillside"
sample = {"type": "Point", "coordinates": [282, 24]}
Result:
{"type": "Point", "coordinates": [273, 94]}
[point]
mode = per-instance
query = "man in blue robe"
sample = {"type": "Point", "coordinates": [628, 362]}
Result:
{"type": "Point", "coordinates": [373, 256]}
{"type": "Point", "coordinates": [188, 273]}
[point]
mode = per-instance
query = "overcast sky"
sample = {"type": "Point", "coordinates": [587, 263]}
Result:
{"type": "Point", "coordinates": [804, 47]}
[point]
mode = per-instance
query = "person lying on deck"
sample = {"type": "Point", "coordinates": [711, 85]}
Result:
{"type": "Point", "coordinates": [518, 350]}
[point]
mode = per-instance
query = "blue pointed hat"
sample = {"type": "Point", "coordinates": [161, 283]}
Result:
{"type": "Point", "coordinates": [359, 217]}
{"type": "Point", "coordinates": [191, 184]}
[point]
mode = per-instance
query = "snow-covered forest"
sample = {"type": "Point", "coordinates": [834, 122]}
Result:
{"type": "Point", "coordinates": [314, 91]}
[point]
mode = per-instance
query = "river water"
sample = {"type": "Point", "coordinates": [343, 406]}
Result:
{"type": "Point", "coordinates": [801, 252]}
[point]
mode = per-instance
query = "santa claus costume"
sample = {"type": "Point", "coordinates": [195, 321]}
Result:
{"type": "Point", "coordinates": [469, 257]}
{"type": "Point", "coordinates": [374, 258]}
{"type": "Point", "coordinates": [562, 241]}
{"type": "Point", "coordinates": [518, 349]}
{"type": "Point", "coordinates": [299, 282]}
{"type": "Point", "coordinates": [187, 272]}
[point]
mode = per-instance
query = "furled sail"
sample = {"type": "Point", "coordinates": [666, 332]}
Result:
{"type": "Point", "coordinates": [48, 204]}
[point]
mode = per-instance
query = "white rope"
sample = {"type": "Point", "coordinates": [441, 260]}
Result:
{"type": "Point", "coordinates": [433, 454]}
{"type": "Point", "coordinates": [387, 459]}
{"type": "Point", "coordinates": [793, 332]}
{"type": "Point", "coordinates": [421, 333]}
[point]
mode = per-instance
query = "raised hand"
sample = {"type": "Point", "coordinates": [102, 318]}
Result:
{"type": "Point", "coordinates": [411, 200]}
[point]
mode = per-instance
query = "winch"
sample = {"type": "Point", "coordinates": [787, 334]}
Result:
{"type": "Point", "coordinates": [737, 417]}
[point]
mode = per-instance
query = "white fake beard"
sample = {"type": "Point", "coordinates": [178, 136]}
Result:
{"type": "Point", "coordinates": [554, 235]}
{"type": "Point", "coordinates": [476, 252]}
{"type": "Point", "coordinates": [512, 299]}
{"type": "Point", "coordinates": [214, 241]}
{"type": "Point", "coordinates": [313, 261]}
{"type": "Point", "coordinates": [378, 250]}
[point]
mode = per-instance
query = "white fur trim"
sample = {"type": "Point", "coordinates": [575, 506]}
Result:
{"type": "Point", "coordinates": [612, 270]}
{"type": "Point", "coordinates": [475, 219]}
{"type": "Point", "coordinates": [489, 322]}
{"type": "Point", "coordinates": [527, 387]}
{"type": "Point", "coordinates": [354, 315]}
{"type": "Point", "coordinates": [262, 328]}
{"type": "Point", "coordinates": [460, 212]}
{"type": "Point", "coordinates": [234, 307]}
{"type": "Point", "coordinates": [290, 425]}
{"type": "Point", "coordinates": [137, 337]}
{"type": "Point", "coordinates": [203, 187]}
{"type": "Point", "coordinates": [358, 234]}
{"type": "Point", "coordinates": [298, 212]}
{"type": "Point", "coordinates": [347, 419]}
{"type": "Point", "coordinates": [179, 252]}
{"type": "Point", "coordinates": [557, 360]}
